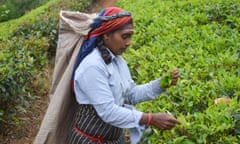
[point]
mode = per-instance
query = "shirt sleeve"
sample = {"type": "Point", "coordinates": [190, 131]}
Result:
{"type": "Point", "coordinates": [118, 116]}
{"type": "Point", "coordinates": [123, 117]}
{"type": "Point", "coordinates": [144, 92]}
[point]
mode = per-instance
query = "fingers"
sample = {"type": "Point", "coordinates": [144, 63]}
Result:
{"type": "Point", "coordinates": [175, 75]}
{"type": "Point", "coordinates": [174, 81]}
{"type": "Point", "coordinates": [175, 121]}
{"type": "Point", "coordinates": [172, 120]}
{"type": "Point", "coordinates": [165, 121]}
{"type": "Point", "coordinates": [167, 126]}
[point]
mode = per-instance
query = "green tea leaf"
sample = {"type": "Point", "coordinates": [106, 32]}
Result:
{"type": "Point", "coordinates": [165, 81]}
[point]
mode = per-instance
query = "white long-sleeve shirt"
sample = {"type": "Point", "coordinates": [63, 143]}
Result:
{"type": "Point", "coordinates": [107, 86]}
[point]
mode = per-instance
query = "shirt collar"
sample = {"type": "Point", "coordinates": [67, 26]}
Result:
{"type": "Point", "coordinates": [112, 55]}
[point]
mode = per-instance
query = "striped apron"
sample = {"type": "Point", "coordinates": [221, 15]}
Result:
{"type": "Point", "coordinates": [89, 128]}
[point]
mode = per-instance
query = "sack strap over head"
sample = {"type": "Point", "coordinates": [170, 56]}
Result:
{"type": "Point", "coordinates": [118, 15]}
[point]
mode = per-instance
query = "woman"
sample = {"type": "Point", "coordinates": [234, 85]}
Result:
{"type": "Point", "coordinates": [102, 82]}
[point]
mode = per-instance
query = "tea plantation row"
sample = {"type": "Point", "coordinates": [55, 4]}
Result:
{"type": "Point", "coordinates": [27, 45]}
{"type": "Point", "coordinates": [202, 39]}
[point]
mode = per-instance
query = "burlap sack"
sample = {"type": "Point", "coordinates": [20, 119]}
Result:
{"type": "Point", "coordinates": [57, 120]}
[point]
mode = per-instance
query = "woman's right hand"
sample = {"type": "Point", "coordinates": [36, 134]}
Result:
{"type": "Point", "coordinates": [164, 121]}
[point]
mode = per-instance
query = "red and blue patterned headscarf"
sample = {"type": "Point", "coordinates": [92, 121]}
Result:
{"type": "Point", "coordinates": [109, 19]}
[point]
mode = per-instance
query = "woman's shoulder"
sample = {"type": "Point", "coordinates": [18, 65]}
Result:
{"type": "Point", "coordinates": [93, 59]}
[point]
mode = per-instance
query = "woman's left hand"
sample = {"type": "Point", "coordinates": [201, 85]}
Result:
{"type": "Point", "coordinates": [175, 75]}
{"type": "Point", "coordinates": [169, 79]}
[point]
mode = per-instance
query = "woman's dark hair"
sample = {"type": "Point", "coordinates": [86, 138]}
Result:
{"type": "Point", "coordinates": [103, 49]}
{"type": "Point", "coordinates": [104, 52]}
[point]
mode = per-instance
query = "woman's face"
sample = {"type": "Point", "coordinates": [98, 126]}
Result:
{"type": "Point", "coordinates": [119, 41]}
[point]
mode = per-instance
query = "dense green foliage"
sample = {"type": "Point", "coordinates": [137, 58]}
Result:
{"type": "Point", "coordinates": [199, 37]}
{"type": "Point", "coordinates": [8, 27]}
{"type": "Point", "coordinates": [10, 9]}
{"type": "Point", "coordinates": [24, 52]}
{"type": "Point", "coordinates": [202, 39]}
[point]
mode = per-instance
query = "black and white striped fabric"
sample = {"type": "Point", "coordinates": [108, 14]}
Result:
{"type": "Point", "coordinates": [88, 124]}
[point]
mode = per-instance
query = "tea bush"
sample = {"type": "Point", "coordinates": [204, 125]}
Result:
{"type": "Point", "coordinates": [201, 39]}
{"type": "Point", "coordinates": [10, 9]}
{"type": "Point", "coordinates": [24, 52]}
